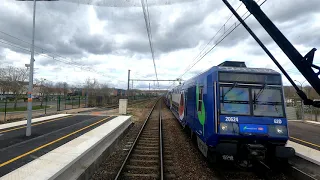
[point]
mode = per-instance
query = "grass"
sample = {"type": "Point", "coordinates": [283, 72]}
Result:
{"type": "Point", "coordinates": [22, 108]}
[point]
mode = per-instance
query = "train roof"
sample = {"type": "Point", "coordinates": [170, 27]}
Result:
{"type": "Point", "coordinates": [244, 69]}
{"type": "Point", "coordinates": [233, 66]}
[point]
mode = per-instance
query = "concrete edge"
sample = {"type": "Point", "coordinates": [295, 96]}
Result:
{"type": "Point", "coordinates": [305, 152]}
{"type": "Point", "coordinates": [85, 165]}
{"type": "Point", "coordinates": [312, 123]}
{"type": "Point", "coordinates": [307, 122]}
{"type": "Point", "coordinates": [108, 151]}
{"type": "Point", "coordinates": [308, 158]}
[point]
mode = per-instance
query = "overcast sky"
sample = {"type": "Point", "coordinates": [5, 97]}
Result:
{"type": "Point", "coordinates": [111, 40]}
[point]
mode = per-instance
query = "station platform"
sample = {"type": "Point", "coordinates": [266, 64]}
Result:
{"type": "Point", "coordinates": [305, 139]}
{"type": "Point", "coordinates": [56, 143]}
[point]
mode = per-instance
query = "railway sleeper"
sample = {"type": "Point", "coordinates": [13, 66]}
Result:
{"type": "Point", "coordinates": [147, 147]}
{"type": "Point", "coordinates": [139, 162]}
{"type": "Point", "coordinates": [146, 139]}
{"type": "Point", "coordinates": [138, 151]}
{"type": "Point", "coordinates": [150, 133]}
{"type": "Point", "coordinates": [140, 146]}
{"type": "Point", "coordinates": [170, 176]}
{"type": "Point", "coordinates": [140, 176]}
{"type": "Point", "coordinates": [145, 157]}
{"type": "Point", "coordinates": [142, 169]}
{"type": "Point", "coordinates": [148, 144]}
{"type": "Point", "coordinates": [150, 139]}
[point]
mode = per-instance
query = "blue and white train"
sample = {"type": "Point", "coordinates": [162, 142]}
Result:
{"type": "Point", "coordinates": [234, 112]}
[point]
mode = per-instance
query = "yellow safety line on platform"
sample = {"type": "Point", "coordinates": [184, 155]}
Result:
{"type": "Point", "coordinates": [52, 142]}
{"type": "Point", "coordinates": [305, 141]}
{"type": "Point", "coordinates": [35, 124]}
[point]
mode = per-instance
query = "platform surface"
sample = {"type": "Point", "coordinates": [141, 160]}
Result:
{"type": "Point", "coordinates": [47, 134]}
{"type": "Point", "coordinates": [59, 159]}
{"type": "Point", "coordinates": [307, 134]}
{"type": "Point", "coordinates": [305, 139]}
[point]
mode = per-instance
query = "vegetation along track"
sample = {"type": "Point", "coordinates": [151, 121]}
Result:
{"type": "Point", "coordinates": [130, 104]}
{"type": "Point", "coordinates": [146, 159]}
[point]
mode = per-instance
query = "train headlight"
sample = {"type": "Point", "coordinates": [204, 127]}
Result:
{"type": "Point", "coordinates": [280, 129]}
{"type": "Point", "coordinates": [276, 130]}
{"type": "Point", "coordinates": [223, 126]}
{"type": "Point", "coordinates": [229, 128]}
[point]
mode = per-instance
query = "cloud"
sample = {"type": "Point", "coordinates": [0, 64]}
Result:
{"type": "Point", "coordinates": [104, 42]}
{"type": "Point", "coordinates": [284, 11]}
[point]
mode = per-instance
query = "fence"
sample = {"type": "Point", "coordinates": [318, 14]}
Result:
{"type": "Point", "coordinates": [309, 113]}
{"type": "Point", "coordinates": [10, 110]}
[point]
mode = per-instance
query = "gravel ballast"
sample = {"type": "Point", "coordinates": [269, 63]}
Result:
{"type": "Point", "coordinates": [186, 161]}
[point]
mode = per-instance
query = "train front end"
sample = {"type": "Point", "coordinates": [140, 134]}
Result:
{"type": "Point", "coordinates": [251, 122]}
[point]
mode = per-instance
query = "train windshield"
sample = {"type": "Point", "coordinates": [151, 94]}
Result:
{"type": "Point", "coordinates": [267, 102]}
{"type": "Point", "coordinates": [234, 100]}
{"type": "Point", "coordinates": [263, 101]}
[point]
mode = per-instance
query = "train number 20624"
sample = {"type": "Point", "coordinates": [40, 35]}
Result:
{"type": "Point", "coordinates": [232, 119]}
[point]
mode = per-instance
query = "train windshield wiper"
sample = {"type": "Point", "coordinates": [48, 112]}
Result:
{"type": "Point", "coordinates": [260, 92]}
{"type": "Point", "coordinates": [234, 85]}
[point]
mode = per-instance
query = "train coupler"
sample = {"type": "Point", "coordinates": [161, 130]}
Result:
{"type": "Point", "coordinates": [256, 151]}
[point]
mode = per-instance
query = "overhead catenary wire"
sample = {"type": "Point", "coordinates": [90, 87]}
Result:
{"type": "Point", "coordinates": [2, 41]}
{"type": "Point", "coordinates": [146, 16]}
{"type": "Point", "coordinates": [28, 50]}
{"type": "Point", "coordinates": [40, 48]}
{"type": "Point", "coordinates": [222, 37]}
{"type": "Point", "coordinates": [222, 28]}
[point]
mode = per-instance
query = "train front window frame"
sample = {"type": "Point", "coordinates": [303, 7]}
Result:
{"type": "Point", "coordinates": [274, 106]}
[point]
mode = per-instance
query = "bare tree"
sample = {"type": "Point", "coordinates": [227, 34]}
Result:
{"type": "Point", "coordinates": [3, 81]}
{"type": "Point", "coordinates": [16, 81]}
{"type": "Point", "coordinates": [65, 89]}
{"type": "Point", "coordinates": [42, 88]}
{"type": "Point", "coordinates": [105, 92]}
{"type": "Point", "coordinates": [50, 89]}
{"type": "Point", "coordinates": [59, 87]}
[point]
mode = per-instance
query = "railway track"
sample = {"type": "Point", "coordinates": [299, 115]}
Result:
{"type": "Point", "coordinates": [146, 158]}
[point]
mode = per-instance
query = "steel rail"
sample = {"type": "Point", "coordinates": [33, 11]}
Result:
{"type": "Point", "coordinates": [161, 143]}
{"type": "Point", "coordinates": [135, 142]}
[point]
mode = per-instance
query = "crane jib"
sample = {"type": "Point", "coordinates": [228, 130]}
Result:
{"type": "Point", "coordinates": [303, 64]}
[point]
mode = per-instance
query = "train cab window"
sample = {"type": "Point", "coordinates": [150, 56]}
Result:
{"type": "Point", "coordinates": [200, 99]}
{"type": "Point", "coordinates": [234, 100]}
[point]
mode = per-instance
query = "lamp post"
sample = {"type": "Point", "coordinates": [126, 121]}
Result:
{"type": "Point", "coordinates": [30, 87]}
{"type": "Point", "coordinates": [128, 84]}
{"type": "Point", "coordinates": [302, 110]}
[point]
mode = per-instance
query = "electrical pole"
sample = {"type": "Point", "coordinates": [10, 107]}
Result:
{"type": "Point", "coordinates": [128, 83]}
{"type": "Point", "coordinates": [30, 88]}
{"type": "Point", "coordinates": [87, 93]}
{"type": "Point", "coordinates": [149, 90]}
{"type": "Point", "coordinates": [302, 110]}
